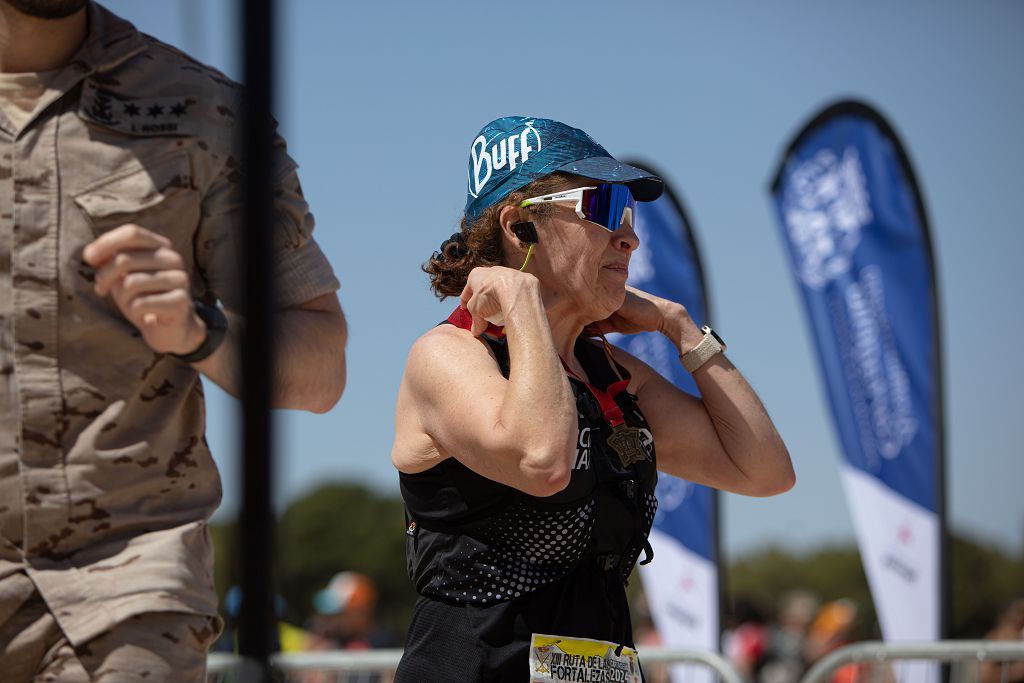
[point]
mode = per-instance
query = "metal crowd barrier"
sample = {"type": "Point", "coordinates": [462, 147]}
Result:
{"type": "Point", "coordinates": [972, 661]}
{"type": "Point", "coordinates": [378, 666]}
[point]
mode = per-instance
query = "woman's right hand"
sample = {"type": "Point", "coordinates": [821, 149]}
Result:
{"type": "Point", "coordinates": [492, 292]}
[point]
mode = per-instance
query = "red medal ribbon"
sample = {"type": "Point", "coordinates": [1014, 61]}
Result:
{"type": "Point", "coordinates": [462, 318]}
{"type": "Point", "coordinates": [606, 399]}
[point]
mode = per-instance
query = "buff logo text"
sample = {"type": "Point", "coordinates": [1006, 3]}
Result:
{"type": "Point", "coordinates": [509, 151]}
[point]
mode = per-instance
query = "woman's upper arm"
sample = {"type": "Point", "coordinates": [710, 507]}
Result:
{"type": "Point", "coordinates": [455, 389]}
{"type": "Point", "coordinates": [684, 435]}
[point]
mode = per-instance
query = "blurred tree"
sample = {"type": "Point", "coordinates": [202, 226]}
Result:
{"type": "Point", "coordinates": [830, 573]}
{"type": "Point", "coordinates": [340, 527]}
{"type": "Point", "coordinates": [334, 528]}
{"type": "Point", "coordinates": [985, 580]}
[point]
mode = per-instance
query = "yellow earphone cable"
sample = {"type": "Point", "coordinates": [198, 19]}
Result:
{"type": "Point", "coordinates": [527, 260]}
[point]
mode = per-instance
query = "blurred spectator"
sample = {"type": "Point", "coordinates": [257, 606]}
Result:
{"type": "Point", "coordinates": [345, 616]}
{"type": "Point", "coordinates": [1010, 626]}
{"type": "Point", "coordinates": [746, 644]}
{"type": "Point", "coordinates": [644, 630]}
{"type": "Point", "coordinates": [785, 661]}
{"type": "Point", "coordinates": [289, 638]}
{"type": "Point", "coordinates": [830, 630]}
{"type": "Point", "coordinates": [345, 619]}
{"type": "Point", "coordinates": [645, 634]}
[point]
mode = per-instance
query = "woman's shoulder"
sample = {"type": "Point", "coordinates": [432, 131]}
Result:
{"type": "Point", "coordinates": [444, 339]}
{"type": "Point", "coordinates": [448, 350]}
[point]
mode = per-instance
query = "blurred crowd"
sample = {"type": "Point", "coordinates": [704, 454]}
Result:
{"type": "Point", "coordinates": [782, 647]}
{"type": "Point", "coordinates": [763, 648]}
{"type": "Point", "coordinates": [780, 650]}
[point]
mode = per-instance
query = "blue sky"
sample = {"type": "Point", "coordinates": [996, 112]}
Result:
{"type": "Point", "coordinates": [379, 102]}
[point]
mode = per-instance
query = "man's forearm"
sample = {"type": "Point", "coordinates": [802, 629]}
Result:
{"type": "Point", "coordinates": [309, 368]}
{"type": "Point", "coordinates": [309, 372]}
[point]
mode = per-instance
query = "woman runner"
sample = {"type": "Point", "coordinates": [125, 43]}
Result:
{"type": "Point", "coordinates": [525, 444]}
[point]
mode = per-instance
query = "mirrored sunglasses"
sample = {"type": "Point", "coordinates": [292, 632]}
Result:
{"type": "Point", "coordinates": [606, 204]}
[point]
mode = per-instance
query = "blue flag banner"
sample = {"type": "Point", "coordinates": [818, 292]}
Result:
{"type": "Point", "coordinates": [681, 584]}
{"type": "Point", "coordinates": [854, 223]}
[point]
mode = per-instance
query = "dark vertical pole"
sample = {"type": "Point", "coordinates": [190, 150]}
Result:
{"type": "Point", "coordinates": [256, 622]}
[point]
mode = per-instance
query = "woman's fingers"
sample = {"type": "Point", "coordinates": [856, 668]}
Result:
{"type": "Point", "coordinates": [467, 294]}
{"type": "Point", "coordinates": [479, 324]}
{"type": "Point", "coordinates": [480, 306]}
{"type": "Point", "coordinates": [487, 293]}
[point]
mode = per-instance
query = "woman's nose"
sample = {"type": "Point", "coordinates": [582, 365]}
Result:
{"type": "Point", "coordinates": [625, 238]}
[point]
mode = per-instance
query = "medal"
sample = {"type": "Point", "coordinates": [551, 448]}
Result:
{"type": "Point", "coordinates": [625, 441]}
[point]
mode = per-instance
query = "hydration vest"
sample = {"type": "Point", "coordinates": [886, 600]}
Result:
{"type": "Point", "coordinates": [472, 540]}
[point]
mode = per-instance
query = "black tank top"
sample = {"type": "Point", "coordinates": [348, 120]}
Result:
{"type": "Point", "coordinates": [495, 565]}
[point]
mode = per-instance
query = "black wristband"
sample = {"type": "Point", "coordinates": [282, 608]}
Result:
{"type": "Point", "coordinates": [216, 330]}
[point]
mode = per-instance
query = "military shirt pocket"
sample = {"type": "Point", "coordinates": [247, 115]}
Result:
{"type": "Point", "coordinates": [159, 195]}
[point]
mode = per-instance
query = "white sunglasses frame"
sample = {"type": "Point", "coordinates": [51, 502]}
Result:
{"type": "Point", "coordinates": [573, 196]}
{"type": "Point", "coordinates": [563, 197]}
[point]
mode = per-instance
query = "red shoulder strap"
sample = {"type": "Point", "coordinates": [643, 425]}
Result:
{"type": "Point", "coordinates": [460, 317]}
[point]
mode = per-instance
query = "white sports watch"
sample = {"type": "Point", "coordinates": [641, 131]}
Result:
{"type": "Point", "coordinates": [711, 345]}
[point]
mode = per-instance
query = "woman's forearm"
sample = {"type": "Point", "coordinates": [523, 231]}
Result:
{"type": "Point", "coordinates": [538, 410]}
{"type": "Point", "coordinates": [744, 429]}
{"type": "Point", "coordinates": [309, 367]}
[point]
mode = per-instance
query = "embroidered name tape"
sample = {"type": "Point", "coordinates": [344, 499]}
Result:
{"type": "Point", "coordinates": [139, 116]}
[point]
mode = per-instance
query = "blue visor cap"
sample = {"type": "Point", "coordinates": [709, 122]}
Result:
{"type": "Point", "coordinates": [512, 152]}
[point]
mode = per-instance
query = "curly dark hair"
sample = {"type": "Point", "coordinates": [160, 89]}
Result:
{"type": "Point", "coordinates": [478, 243]}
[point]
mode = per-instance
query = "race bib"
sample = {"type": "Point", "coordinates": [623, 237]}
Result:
{"type": "Point", "coordinates": [555, 658]}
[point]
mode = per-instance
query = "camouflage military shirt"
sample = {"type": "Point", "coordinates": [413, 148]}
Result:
{"type": "Point", "coordinates": [106, 481]}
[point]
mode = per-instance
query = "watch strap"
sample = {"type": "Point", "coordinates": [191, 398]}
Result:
{"type": "Point", "coordinates": [216, 329]}
{"type": "Point", "coordinates": [708, 348]}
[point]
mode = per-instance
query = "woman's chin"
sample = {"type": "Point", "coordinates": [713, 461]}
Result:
{"type": "Point", "coordinates": [617, 297]}
{"type": "Point", "coordinates": [608, 304]}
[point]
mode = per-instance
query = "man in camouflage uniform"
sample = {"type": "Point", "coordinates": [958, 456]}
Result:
{"type": "Point", "coordinates": [120, 208]}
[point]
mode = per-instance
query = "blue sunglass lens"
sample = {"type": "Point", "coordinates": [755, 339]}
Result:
{"type": "Point", "coordinates": [606, 204]}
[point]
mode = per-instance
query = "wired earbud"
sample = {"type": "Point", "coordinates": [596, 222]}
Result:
{"type": "Point", "coordinates": [526, 231]}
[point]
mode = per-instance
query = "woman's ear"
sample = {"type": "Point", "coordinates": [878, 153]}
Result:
{"type": "Point", "coordinates": [507, 217]}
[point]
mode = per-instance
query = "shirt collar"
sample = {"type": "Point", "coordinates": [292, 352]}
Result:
{"type": "Point", "coordinates": [110, 42]}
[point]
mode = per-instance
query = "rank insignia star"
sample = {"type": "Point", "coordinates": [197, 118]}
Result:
{"type": "Point", "coordinates": [155, 111]}
{"type": "Point", "coordinates": [179, 109]}
{"type": "Point", "coordinates": [131, 109]}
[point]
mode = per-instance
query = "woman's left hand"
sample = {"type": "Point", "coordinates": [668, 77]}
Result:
{"type": "Point", "coordinates": [644, 312]}
{"type": "Point", "coordinates": [640, 312]}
